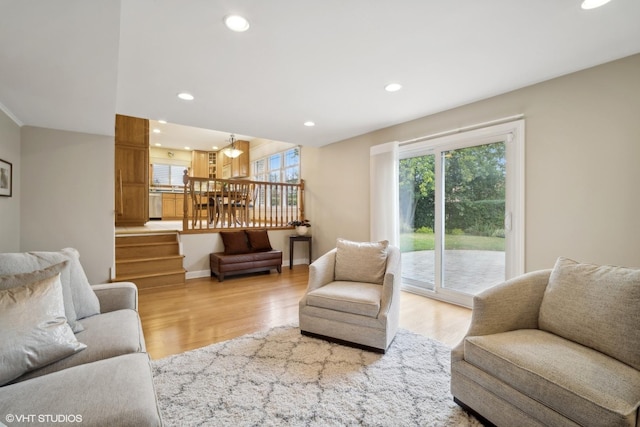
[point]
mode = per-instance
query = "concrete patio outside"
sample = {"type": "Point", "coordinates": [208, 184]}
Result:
{"type": "Point", "coordinates": [467, 271]}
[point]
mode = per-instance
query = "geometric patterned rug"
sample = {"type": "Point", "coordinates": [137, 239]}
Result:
{"type": "Point", "coordinates": [282, 378]}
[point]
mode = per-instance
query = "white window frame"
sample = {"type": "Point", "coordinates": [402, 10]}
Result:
{"type": "Point", "coordinates": [512, 133]}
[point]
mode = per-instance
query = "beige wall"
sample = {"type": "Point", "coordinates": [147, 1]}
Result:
{"type": "Point", "coordinates": [582, 167]}
{"type": "Point", "coordinates": [582, 177]}
{"type": "Point", "coordinates": [10, 206]}
{"type": "Point", "coordinates": [68, 196]}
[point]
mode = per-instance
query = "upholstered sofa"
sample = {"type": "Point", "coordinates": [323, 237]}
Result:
{"type": "Point", "coordinates": [556, 347]}
{"type": "Point", "coordinates": [353, 295]}
{"type": "Point", "coordinates": [71, 353]}
{"type": "Point", "coordinates": [245, 251]}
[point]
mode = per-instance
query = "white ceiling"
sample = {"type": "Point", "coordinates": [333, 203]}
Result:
{"type": "Point", "coordinates": [72, 64]}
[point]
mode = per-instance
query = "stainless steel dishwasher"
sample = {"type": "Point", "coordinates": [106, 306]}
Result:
{"type": "Point", "coordinates": [155, 205]}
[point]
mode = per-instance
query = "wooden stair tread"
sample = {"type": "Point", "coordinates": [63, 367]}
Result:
{"type": "Point", "coordinates": [134, 245]}
{"type": "Point", "coordinates": [148, 275]}
{"type": "Point", "coordinates": [125, 233]}
{"type": "Point", "coordinates": [157, 258]}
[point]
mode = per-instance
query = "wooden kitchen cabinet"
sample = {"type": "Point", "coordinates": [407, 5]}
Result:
{"type": "Point", "coordinates": [213, 164]}
{"type": "Point", "coordinates": [131, 171]}
{"type": "Point", "coordinates": [199, 164]}
{"type": "Point", "coordinates": [173, 206]}
{"type": "Point", "coordinates": [238, 167]}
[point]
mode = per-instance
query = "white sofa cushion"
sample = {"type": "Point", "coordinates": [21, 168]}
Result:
{"type": "Point", "coordinates": [596, 306]}
{"type": "Point", "coordinates": [34, 330]}
{"type": "Point", "coordinates": [118, 391]}
{"type": "Point", "coordinates": [106, 335]}
{"type": "Point", "coordinates": [85, 299]}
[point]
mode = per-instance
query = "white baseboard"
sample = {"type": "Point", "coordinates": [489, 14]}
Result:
{"type": "Point", "coordinates": [197, 274]}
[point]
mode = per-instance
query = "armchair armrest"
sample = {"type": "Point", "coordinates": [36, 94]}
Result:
{"type": "Point", "coordinates": [116, 296]}
{"type": "Point", "coordinates": [509, 306]}
{"type": "Point", "coordinates": [322, 270]}
{"type": "Point", "coordinates": [391, 283]}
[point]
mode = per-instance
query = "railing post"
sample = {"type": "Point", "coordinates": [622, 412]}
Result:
{"type": "Point", "coordinates": [185, 213]}
{"type": "Point", "coordinates": [301, 199]}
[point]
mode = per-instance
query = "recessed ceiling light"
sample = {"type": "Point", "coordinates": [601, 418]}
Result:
{"type": "Point", "coordinates": [158, 144]}
{"type": "Point", "coordinates": [215, 147]}
{"type": "Point", "coordinates": [185, 96]}
{"type": "Point", "coordinates": [592, 4]}
{"type": "Point", "coordinates": [187, 148]}
{"type": "Point", "coordinates": [393, 87]}
{"type": "Point", "coordinates": [236, 23]}
{"type": "Point", "coordinates": [156, 131]}
{"type": "Point", "coordinates": [164, 122]}
{"type": "Point", "coordinates": [309, 123]}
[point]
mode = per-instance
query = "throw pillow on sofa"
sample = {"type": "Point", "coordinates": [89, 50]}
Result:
{"type": "Point", "coordinates": [235, 242]}
{"type": "Point", "coordinates": [80, 300]}
{"type": "Point", "coordinates": [34, 329]}
{"type": "Point", "coordinates": [17, 263]}
{"type": "Point", "coordinates": [85, 299]}
{"type": "Point", "coordinates": [259, 240]}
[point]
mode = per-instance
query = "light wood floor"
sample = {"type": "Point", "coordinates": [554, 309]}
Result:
{"type": "Point", "coordinates": [180, 318]}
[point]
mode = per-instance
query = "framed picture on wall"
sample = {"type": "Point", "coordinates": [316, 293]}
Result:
{"type": "Point", "coordinates": [6, 178]}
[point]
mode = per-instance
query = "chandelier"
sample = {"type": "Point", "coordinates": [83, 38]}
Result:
{"type": "Point", "coordinates": [231, 151]}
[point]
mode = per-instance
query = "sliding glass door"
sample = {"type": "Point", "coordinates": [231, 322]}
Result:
{"type": "Point", "coordinates": [457, 200]}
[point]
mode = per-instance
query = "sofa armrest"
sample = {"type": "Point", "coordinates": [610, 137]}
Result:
{"type": "Point", "coordinates": [509, 306]}
{"type": "Point", "coordinates": [116, 296]}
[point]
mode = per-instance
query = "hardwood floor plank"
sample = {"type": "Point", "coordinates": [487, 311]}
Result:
{"type": "Point", "coordinates": [204, 311]}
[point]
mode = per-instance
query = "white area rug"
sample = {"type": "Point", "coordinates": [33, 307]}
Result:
{"type": "Point", "coordinates": [281, 378]}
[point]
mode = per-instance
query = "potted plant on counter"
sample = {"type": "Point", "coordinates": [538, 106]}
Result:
{"type": "Point", "coordinates": [302, 226]}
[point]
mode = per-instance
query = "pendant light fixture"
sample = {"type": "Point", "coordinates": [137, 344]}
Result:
{"type": "Point", "coordinates": [231, 151]}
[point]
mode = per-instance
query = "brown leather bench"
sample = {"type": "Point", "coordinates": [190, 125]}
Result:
{"type": "Point", "coordinates": [252, 262]}
{"type": "Point", "coordinates": [246, 251]}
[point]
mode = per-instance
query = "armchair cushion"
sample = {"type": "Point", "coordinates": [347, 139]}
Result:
{"type": "Point", "coordinates": [576, 381]}
{"type": "Point", "coordinates": [597, 306]}
{"type": "Point", "coordinates": [361, 261]}
{"type": "Point", "coordinates": [348, 297]}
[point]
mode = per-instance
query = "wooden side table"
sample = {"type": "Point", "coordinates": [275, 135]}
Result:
{"type": "Point", "coordinates": [296, 238]}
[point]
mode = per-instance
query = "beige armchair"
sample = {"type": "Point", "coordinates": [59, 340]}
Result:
{"type": "Point", "coordinates": [554, 347]}
{"type": "Point", "coordinates": [353, 295]}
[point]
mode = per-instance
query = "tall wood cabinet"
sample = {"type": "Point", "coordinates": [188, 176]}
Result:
{"type": "Point", "coordinates": [213, 164]}
{"type": "Point", "coordinates": [131, 171]}
{"type": "Point", "coordinates": [238, 167]}
{"type": "Point", "coordinates": [199, 164]}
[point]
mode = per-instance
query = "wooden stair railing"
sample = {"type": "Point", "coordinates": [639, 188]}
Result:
{"type": "Point", "coordinates": [220, 204]}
